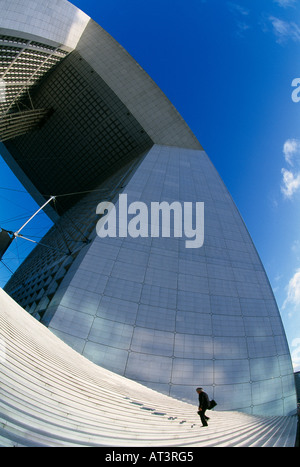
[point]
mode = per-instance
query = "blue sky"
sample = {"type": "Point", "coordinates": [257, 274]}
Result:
{"type": "Point", "coordinates": [227, 66]}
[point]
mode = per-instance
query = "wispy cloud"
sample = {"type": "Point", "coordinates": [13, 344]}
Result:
{"type": "Point", "coordinates": [293, 291]}
{"type": "Point", "coordinates": [295, 354]}
{"type": "Point", "coordinates": [285, 30]}
{"type": "Point", "coordinates": [291, 150]}
{"type": "Point", "coordinates": [291, 183]}
{"type": "Point", "coordinates": [236, 8]}
{"type": "Point", "coordinates": [291, 177]}
{"type": "Point", "coordinates": [296, 249]}
{"type": "Point", "coordinates": [240, 14]}
{"type": "Point", "coordinates": [285, 3]}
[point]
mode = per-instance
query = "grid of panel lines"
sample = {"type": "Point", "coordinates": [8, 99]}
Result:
{"type": "Point", "coordinates": [52, 396]}
{"type": "Point", "coordinates": [22, 64]}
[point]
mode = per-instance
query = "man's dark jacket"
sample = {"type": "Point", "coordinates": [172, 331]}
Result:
{"type": "Point", "coordinates": [203, 401]}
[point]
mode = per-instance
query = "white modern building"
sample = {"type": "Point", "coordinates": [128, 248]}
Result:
{"type": "Point", "coordinates": [83, 122]}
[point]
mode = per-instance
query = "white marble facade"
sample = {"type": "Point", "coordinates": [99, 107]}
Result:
{"type": "Point", "coordinates": [174, 318]}
{"type": "Point", "coordinates": [151, 309]}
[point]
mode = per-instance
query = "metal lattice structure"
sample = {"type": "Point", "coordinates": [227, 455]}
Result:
{"type": "Point", "coordinates": [23, 63]}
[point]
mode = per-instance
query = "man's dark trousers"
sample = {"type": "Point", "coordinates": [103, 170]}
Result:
{"type": "Point", "coordinates": [203, 404]}
{"type": "Point", "coordinates": [203, 417]}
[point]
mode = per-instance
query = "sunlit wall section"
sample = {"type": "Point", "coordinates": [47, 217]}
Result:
{"type": "Point", "coordinates": [172, 317]}
{"type": "Point", "coordinates": [57, 22]}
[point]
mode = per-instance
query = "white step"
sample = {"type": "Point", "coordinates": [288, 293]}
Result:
{"type": "Point", "coordinates": [52, 396]}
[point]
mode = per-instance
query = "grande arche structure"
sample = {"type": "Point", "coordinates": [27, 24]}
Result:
{"type": "Point", "coordinates": [82, 121]}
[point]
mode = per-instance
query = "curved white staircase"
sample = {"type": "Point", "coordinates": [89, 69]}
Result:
{"type": "Point", "coordinates": [52, 396]}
